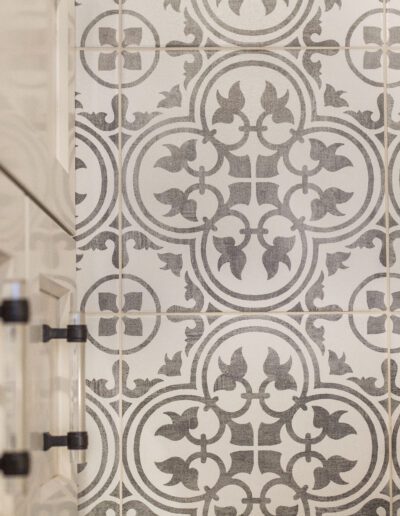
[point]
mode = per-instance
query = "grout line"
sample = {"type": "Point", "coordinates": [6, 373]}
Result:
{"type": "Point", "coordinates": [121, 48]}
{"type": "Point", "coordinates": [387, 224]}
{"type": "Point", "coordinates": [239, 314]}
{"type": "Point", "coordinates": [120, 336]}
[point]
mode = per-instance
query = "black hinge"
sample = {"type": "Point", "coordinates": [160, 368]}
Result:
{"type": "Point", "coordinates": [72, 441]}
{"type": "Point", "coordinates": [72, 333]}
{"type": "Point", "coordinates": [14, 311]}
{"type": "Point", "coordinates": [15, 464]}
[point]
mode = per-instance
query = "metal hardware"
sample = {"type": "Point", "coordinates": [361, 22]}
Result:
{"type": "Point", "coordinates": [15, 464]}
{"type": "Point", "coordinates": [14, 311]}
{"type": "Point", "coordinates": [72, 333]}
{"type": "Point", "coordinates": [72, 441]}
{"type": "Point", "coordinates": [76, 333]}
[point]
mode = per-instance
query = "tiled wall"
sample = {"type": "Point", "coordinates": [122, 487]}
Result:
{"type": "Point", "coordinates": [238, 209]}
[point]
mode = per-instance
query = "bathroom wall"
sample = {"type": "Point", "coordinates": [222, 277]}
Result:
{"type": "Point", "coordinates": [237, 168]}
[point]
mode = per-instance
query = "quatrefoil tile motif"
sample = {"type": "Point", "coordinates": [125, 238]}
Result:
{"type": "Point", "coordinates": [238, 256]}
{"type": "Point", "coordinates": [264, 186]}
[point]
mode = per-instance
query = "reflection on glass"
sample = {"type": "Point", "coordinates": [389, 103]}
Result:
{"type": "Point", "coordinates": [78, 405]}
{"type": "Point", "coordinates": [13, 390]}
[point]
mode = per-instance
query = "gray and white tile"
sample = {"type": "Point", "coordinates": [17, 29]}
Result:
{"type": "Point", "coordinates": [395, 410]}
{"type": "Point", "coordinates": [99, 478]}
{"type": "Point", "coordinates": [255, 415]}
{"type": "Point", "coordinates": [97, 23]}
{"type": "Point", "coordinates": [254, 181]}
{"type": "Point", "coordinates": [393, 139]}
{"type": "Point", "coordinates": [393, 21]}
{"type": "Point", "coordinates": [253, 23]}
{"type": "Point", "coordinates": [97, 180]}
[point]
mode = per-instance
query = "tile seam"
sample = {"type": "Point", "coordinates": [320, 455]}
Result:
{"type": "Point", "coordinates": [120, 335]}
{"type": "Point", "coordinates": [233, 314]}
{"type": "Point", "coordinates": [226, 49]}
{"type": "Point", "coordinates": [387, 243]}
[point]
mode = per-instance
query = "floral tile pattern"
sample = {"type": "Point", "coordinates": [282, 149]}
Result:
{"type": "Point", "coordinates": [99, 478]}
{"type": "Point", "coordinates": [395, 410]}
{"type": "Point", "coordinates": [257, 415]}
{"type": "Point", "coordinates": [97, 178]}
{"type": "Point", "coordinates": [253, 23]}
{"type": "Point", "coordinates": [258, 180]}
{"type": "Point", "coordinates": [238, 256]}
{"type": "Point", "coordinates": [393, 17]}
{"type": "Point", "coordinates": [97, 23]}
{"type": "Point", "coordinates": [393, 121]}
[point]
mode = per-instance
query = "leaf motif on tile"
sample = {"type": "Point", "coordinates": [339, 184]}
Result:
{"type": "Point", "coordinates": [331, 471]}
{"type": "Point", "coordinates": [367, 118]}
{"type": "Point", "coordinates": [317, 292]}
{"type": "Point", "coordinates": [327, 203]}
{"type": "Point", "coordinates": [172, 262]}
{"type": "Point", "coordinates": [103, 387]}
{"type": "Point", "coordinates": [236, 5]}
{"type": "Point", "coordinates": [230, 253]}
{"type": "Point", "coordinates": [279, 373]}
{"type": "Point", "coordinates": [142, 386]}
{"type": "Point", "coordinates": [180, 426]}
{"type": "Point", "coordinates": [172, 366]}
{"type": "Point", "coordinates": [192, 293]}
{"type": "Point", "coordinates": [232, 373]}
{"type": "Point", "coordinates": [316, 333]}
{"type": "Point", "coordinates": [276, 106]}
{"type": "Point", "coordinates": [179, 204]}
{"type": "Point", "coordinates": [179, 156]}
{"type": "Point", "coordinates": [329, 4]}
{"type": "Point", "coordinates": [172, 98]}
{"type": "Point", "coordinates": [99, 243]}
{"type": "Point", "coordinates": [191, 28]}
{"type": "Point", "coordinates": [327, 156]}
{"type": "Point", "coordinates": [338, 366]}
{"type": "Point", "coordinates": [141, 241]}
{"type": "Point", "coordinates": [335, 262]}
{"type": "Point", "coordinates": [181, 473]}
{"type": "Point", "coordinates": [278, 253]}
{"type": "Point", "coordinates": [175, 4]}
{"type": "Point", "coordinates": [374, 386]}
{"type": "Point", "coordinates": [99, 120]}
{"type": "Point", "coordinates": [369, 239]}
{"type": "Point", "coordinates": [229, 106]}
{"type": "Point", "coordinates": [312, 28]}
{"type": "Point", "coordinates": [194, 334]}
{"type": "Point", "coordinates": [141, 119]}
{"type": "Point", "coordinates": [331, 424]}
{"type": "Point", "coordinates": [192, 68]}
{"type": "Point", "coordinates": [270, 5]}
{"type": "Point", "coordinates": [334, 98]}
